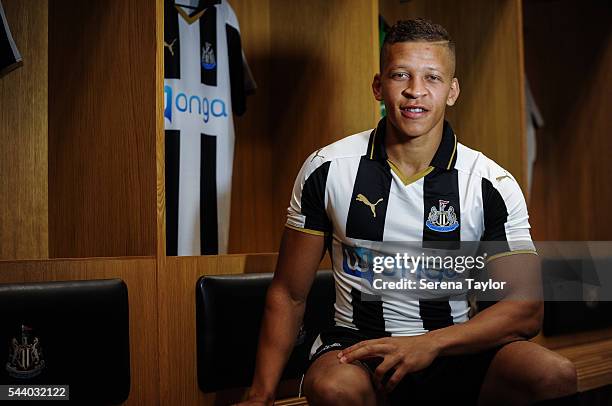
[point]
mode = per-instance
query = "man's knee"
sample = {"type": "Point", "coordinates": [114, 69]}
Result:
{"type": "Point", "coordinates": [556, 379]}
{"type": "Point", "coordinates": [343, 387]}
{"type": "Point", "coordinates": [527, 373]}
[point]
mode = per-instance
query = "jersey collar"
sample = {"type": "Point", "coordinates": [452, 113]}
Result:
{"type": "Point", "coordinates": [196, 12]}
{"type": "Point", "coordinates": [444, 158]}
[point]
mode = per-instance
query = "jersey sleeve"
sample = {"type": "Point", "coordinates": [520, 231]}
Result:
{"type": "Point", "coordinates": [506, 221]}
{"type": "Point", "coordinates": [307, 207]}
{"type": "Point", "coordinates": [241, 79]}
{"type": "Point", "coordinates": [236, 70]}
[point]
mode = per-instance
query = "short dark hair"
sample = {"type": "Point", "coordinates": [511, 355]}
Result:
{"type": "Point", "coordinates": [415, 30]}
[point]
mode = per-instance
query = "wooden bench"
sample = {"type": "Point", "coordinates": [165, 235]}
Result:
{"type": "Point", "coordinates": [292, 402]}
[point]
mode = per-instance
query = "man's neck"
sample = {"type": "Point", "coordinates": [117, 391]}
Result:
{"type": "Point", "coordinates": [412, 154]}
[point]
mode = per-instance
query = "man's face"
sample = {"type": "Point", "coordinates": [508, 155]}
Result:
{"type": "Point", "coordinates": [416, 85]}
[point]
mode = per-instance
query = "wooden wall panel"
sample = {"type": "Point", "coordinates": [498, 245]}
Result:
{"type": "Point", "coordinates": [569, 65]}
{"type": "Point", "coordinates": [489, 113]}
{"type": "Point", "coordinates": [160, 139]}
{"type": "Point", "coordinates": [252, 227]}
{"type": "Point", "coordinates": [314, 64]}
{"type": "Point", "coordinates": [177, 333]}
{"type": "Point", "coordinates": [139, 275]}
{"type": "Point", "coordinates": [23, 136]}
{"type": "Point", "coordinates": [102, 110]}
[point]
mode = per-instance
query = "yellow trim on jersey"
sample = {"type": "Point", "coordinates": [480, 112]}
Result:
{"type": "Point", "coordinates": [406, 180]}
{"type": "Point", "coordinates": [453, 154]}
{"type": "Point", "coordinates": [505, 254]}
{"type": "Point", "coordinates": [186, 17]}
{"type": "Point", "coordinates": [373, 143]}
{"type": "Point", "coordinates": [305, 230]}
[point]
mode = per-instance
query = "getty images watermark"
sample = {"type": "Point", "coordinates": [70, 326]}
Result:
{"type": "Point", "coordinates": [423, 268]}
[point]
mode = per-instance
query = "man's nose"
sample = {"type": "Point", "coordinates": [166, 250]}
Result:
{"type": "Point", "coordinates": [415, 89]}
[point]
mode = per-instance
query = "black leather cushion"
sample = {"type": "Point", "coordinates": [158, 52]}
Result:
{"type": "Point", "coordinates": [83, 332]}
{"type": "Point", "coordinates": [229, 312]}
{"type": "Point", "coordinates": [572, 289]}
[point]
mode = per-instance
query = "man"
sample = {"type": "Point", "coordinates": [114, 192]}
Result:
{"type": "Point", "coordinates": [409, 180]}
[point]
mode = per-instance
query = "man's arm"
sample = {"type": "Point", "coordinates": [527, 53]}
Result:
{"type": "Point", "coordinates": [517, 316]}
{"type": "Point", "coordinates": [299, 256]}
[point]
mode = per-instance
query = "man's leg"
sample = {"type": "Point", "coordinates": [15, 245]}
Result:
{"type": "Point", "coordinates": [522, 373]}
{"type": "Point", "coordinates": [328, 382]}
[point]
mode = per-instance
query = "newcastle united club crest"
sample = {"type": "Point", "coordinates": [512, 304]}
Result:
{"type": "Point", "coordinates": [443, 220]}
{"type": "Point", "coordinates": [25, 355]}
{"type": "Point", "coordinates": [208, 57]}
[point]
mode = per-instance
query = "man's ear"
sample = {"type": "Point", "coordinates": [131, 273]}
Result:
{"type": "Point", "coordinates": [377, 87]}
{"type": "Point", "coordinates": [453, 94]}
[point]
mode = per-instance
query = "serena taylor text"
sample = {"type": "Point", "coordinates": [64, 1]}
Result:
{"type": "Point", "coordinates": [424, 284]}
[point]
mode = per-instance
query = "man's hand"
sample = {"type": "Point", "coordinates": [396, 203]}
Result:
{"type": "Point", "coordinates": [405, 354]}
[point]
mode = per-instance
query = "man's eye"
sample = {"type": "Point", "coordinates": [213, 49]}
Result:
{"type": "Point", "coordinates": [434, 78]}
{"type": "Point", "coordinates": [399, 75]}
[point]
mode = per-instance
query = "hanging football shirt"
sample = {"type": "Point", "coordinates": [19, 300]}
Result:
{"type": "Point", "coordinates": [9, 54]}
{"type": "Point", "coordinates": [206, 80]}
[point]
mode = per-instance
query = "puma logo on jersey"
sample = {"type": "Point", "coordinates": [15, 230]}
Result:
{"type": "Point", "coordinates": [169, 46]}
{"type": "Point", "coordinates": [499, 178]}
{"type": "Point", "coordinates": [317, 155]}
{"type": "Point", "coordinates": [361, 198]}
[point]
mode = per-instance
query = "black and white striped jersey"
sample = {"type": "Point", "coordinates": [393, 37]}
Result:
{"type": "Point", "coordinates": [204, 85]}
{"type": "Point", "coordinates": [350, 191]}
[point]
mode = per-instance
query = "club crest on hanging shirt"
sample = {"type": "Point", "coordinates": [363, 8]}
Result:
{"type": "Point", "coordinates": [442, 219]}
{"type": "Point", "coordinates": [25, 355]}
{"type": "Point", "coordinates": [208, 57]}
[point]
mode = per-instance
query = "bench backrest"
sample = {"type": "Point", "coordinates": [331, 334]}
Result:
{"type": "Point", "coordinates": [229, 312]}
{"type": "Point", "coordinates": [72, 333]}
